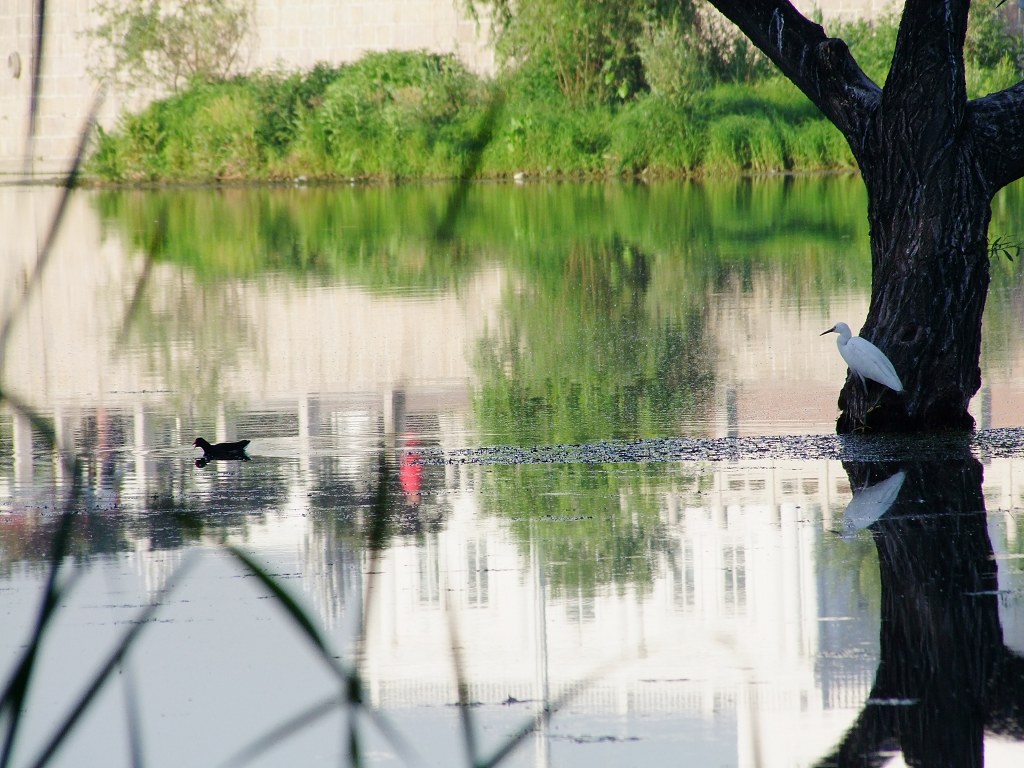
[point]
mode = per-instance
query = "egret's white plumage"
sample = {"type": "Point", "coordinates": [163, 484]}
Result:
{"type": "Point", "coordinates": [864, 358]}
{"type": "Point", "coordinates": [869, 504]}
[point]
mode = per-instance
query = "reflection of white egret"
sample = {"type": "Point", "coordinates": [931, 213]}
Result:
{"type": "Point", "coordinates": [865, 359]}
{"type": "Point", "coordinates": [869, 504]}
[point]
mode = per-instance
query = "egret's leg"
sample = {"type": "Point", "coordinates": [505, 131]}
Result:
{"type": "Point", "coordinates": [874, 404]}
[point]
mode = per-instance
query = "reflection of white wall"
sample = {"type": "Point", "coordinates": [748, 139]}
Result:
{"type": "Point", "coordinates": [730, 623]}
{"type": "Point", "coordinates": [777, 375]}
{"type": "Point", "coordinates": [729, 627]}
{"type": "Point", "coordinates": [1004, 500]}
{"type": "Point", "coordinates": [342, 339]}
{"type": "Point", "coordinates": [271, 342]}
{"type": "Point", "coordinates": [61, 346]}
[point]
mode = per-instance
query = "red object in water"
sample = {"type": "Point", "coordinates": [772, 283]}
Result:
{"type": "Point", "coordinates": [410, 474]}
{"type": "Point", "coordinates": [222, 450]}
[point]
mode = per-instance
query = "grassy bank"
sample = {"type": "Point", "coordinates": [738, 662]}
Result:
{"type": "Point", "coordinates": [414, 115]}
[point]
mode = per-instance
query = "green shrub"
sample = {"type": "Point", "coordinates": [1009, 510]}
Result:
{"type": "Point", "coordinates": [548, 137]}
{"type": "Point", "coordinates": [132, 153]}
{"type": "Point", "coordinates": [818, 145]}
{"type": "Point", "coordinates": [991, 41]}
{"type": "Point", "coordinates": [673, 70]}
{"type": "Point", "coordinates": [776, 97]}
{"type": "Point", "coordinates": [589, 48]}
{"type": "Point", "coordinates": [992, 49]}
{"type": "Point", "coordinates": [691, 52]}
{"type": "Point", "coordinates": [389, 109]}
{"type": "Point", "coordinates": [222, 142]}
{"type": "Point", "coordinates": [205, 132]}
{"type": "Point", "coordinates": [422, 115]}
{"type": "Point", "coordinates": [983, 81]}
{"type": "Point", "coordinates": [744, 143]}
{"type": "Point", "coordinates": [653, 134]}
{"type": "Point", "coordinates": [283, 99]}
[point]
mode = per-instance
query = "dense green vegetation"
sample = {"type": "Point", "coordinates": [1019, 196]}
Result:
{"type": "Point", "coordinates": [657, 109]}
{"type": "Point", "coordinates": [416, 115]}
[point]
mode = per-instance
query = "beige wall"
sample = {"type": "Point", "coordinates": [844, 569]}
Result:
{"type": "Point", "coordinates": [289, 34]}
{"type": "Point", "coordinates": [299, 34]}
{"type": "Point", "coordinates": [847, 9]}
{"type": "Point", "coordinates": [67, 89]}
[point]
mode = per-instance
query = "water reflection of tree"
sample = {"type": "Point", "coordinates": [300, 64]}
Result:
{"type": "Point", "coordinates": [594, 524]}
{"type": "Point", "coordinates": [945, 676]}
{"type": "Point", "coordinates": [118, 511]}
{"type": "Point", "coordinates": [812, 231]}
{"type": "Point", "coordinates": [379, 238]}
{"type": "Point", "coordinates": [371, 508]}
{"type": "Point", "coordinates": [811, 228]}
{"type": "Point", "coordinates": [581, 356]}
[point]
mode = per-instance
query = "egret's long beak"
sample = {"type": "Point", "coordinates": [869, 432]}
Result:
{"type": "Point", "coordinates": [830, 330]}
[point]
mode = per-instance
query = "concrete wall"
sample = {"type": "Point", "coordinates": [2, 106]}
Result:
{"type": "Point", "coordinates": [67, 89]}
{"type": "Point", "coordinates": [846, 9]}
{"type": "Point", "coordinates": [289, 34]}
{"type": "Point", "coordinates": [299, 34]}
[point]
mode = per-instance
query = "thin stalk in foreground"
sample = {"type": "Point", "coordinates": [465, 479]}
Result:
{"type": "Point", "coordinates": [111, 664]}
{"type": "Point", "coordinates": [351, 688]}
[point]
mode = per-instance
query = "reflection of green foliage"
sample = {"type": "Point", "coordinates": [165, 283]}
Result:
{"type": "Point", "coordinates": [604, 330]}
{"type": "Point", "coordinates": [812, 229]}
{"type": "Point", "coordinates": [855, 561]}
{"type": "Point", "coordinates": [1003, 310]}
{"type": "Point", "coordinates": [588, 538]}
{"type": "Point", "coordinates": [582, 357]}
{"type": "Point", "coordinates": [619, 276]}
{"type": "Point", "coordinates": [381, 238]}
{"type": "Point", "coordinates": [607, 336]}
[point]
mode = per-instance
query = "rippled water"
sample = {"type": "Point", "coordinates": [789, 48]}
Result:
{"type": "Point", "coordinates": [578, 455]}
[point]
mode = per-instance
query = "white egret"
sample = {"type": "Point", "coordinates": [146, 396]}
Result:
{"type": "Point", "coordinates": [865, 359]}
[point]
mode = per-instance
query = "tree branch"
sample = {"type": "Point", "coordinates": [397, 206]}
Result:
{"type": "Point", "coordinates": [820, 66]}
{"type": "Point", "coordinates": [996, 122]}
{"type": "Point", "coordinates": [926, 86]}
{"type": "Point", "coordinates": [928, 62]}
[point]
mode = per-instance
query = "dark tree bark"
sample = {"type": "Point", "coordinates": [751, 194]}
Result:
{"type": "Point", "coordinates": [931, 161]}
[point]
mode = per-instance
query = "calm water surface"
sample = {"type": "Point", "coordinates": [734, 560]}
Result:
{"type": "Point", "coordinates": [744, 612]}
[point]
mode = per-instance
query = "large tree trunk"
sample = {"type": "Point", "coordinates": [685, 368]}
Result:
{"type": "Point", "coordinates": [932, 162]}
{"type": "Point", "coordinates": [930, 277]}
